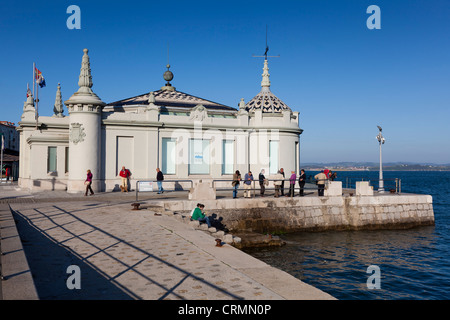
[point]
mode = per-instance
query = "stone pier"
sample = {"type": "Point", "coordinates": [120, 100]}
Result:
{"type": "Point", "coordinates": [312, 213]}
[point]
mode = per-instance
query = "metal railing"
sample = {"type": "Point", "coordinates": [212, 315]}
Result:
{"type": "Point", "coordinates": [148, 186]}
{"type": "Point", "coordinates": [390, 185]}
{"type": "Point", "coordinates": [393, 185]}
{"type": "Point", "coordinates": [255, 185]}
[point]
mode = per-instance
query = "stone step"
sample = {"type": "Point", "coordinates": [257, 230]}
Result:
{"type": "Point", "coordinates": [218, 234]}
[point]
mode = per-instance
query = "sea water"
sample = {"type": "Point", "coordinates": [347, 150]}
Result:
{"type": "Point", "coordinates": [413, 263]}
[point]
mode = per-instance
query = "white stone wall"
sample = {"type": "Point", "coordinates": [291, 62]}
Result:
{"type": "Point", "coordinates": [145, 129]}
{"type": "Point", "coordinates": [147, 150]}
{"type": "Point", "coordinates": [33, 173]}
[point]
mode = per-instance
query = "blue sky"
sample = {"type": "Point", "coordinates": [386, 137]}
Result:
{"type": "Point", "coordinates": [343, 78]}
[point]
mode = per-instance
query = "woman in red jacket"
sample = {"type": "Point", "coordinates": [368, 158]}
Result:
{"type": "Point", "coordinates": [124, 175]}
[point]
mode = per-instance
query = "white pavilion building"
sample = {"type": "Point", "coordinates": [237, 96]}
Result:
{"type": "Point", "coordinates": [187, 137]}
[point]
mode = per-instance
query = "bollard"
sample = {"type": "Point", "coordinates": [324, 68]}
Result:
{"type": "Point", "coordinates": [135, 206]}
{"type": "Point", "coordinates": [218, 242]}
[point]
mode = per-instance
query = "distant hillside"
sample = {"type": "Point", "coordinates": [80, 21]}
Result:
{"type": "Point", "coordinates": [371, 166]}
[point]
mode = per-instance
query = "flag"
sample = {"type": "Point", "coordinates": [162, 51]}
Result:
{"type": "Point", "coordinates": [39, 78]}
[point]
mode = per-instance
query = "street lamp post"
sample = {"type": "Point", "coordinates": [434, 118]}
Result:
{"type": "Point", "coordinates": [381, 140]}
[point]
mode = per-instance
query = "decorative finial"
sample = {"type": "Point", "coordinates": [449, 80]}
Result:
{"type": "Point", "coordinates": [58, 107]}
{"type": "Point", "coordinates": [242, 104]}
{"type": "Point", "coordinates": [30, 100]}
{"type": "Point", "coordinates": [85, 95]}
{"type": "Point", "coordinates": [85, 79]}
{"type": "Point", "coordinates": [265, 83]}
{"type": "Point", "coordinates": [151, 98]}
{"type": "Point", "coordinates": [168, 76]}
{"type": "Point", "coordinates": [29, 103]}
{"type": "Point", "coordinates": [28, 107]}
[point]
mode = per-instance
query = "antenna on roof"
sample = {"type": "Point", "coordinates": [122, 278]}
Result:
{"type": "Point", "coordinates": [168, 75]}
{"type": "Point", "coordinates": [265, 56]}
{"type": "Point", "coordinates": [168, 53]}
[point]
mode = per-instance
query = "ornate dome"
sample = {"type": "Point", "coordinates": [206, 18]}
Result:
{"type": "Point", "coordinates": [265, 100]}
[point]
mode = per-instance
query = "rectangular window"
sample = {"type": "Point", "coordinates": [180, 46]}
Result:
{"type": "Point", "coordinates": [273, 156]}
{"type": "Point", "coordinates": [198, 156]}
{"type": "Point", "coordinates": [67, 160]}
{"type": "Point", "coordinates": [168, 165]}
{"type": "Point", "coordinates": [227, 157]}
{"type": "Point", "coordinates": [51, 159]}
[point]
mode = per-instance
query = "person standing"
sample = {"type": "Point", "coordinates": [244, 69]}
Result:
{"type": "Point", "coordinates": [321, 178]}
{"type": "Point", "coordinates": [302, 181]}
{"type": "Point", "coordinates": [88, 183]}
{"type": "Point", "coordinates": [282, 182]}
{"type": "Point", "coordinates": [292, 181]}
{"type": "Point", "coordinates": [333, 175]}
{"type": "Point", "coordinates": [8, 173]}
{"type": "Point", "coordinates": [124, 176]}
{"type": "Point", "coordinates": [236, 182]}
{"type": "Point", "coordinates": [248, 184]}
{"type": "Point", "coordinates": [262, 182]}
{"type": "Point", "coordinates": [159, 180]}
{"type": "Point", "coordinates": [277, 183]}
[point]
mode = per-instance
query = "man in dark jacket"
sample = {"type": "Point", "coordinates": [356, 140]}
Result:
{"type": "Point", "coordinates": [302, 181]}
{"type": "Point", "coordinates": [282, 182]}
{"type": "Point", "coordinates": [262, 182]}
{"type": "Point", "coordinates": [159, 180]}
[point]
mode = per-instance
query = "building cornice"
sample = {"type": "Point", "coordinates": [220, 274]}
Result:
{"type": "Point", "coordinates": [48, 139]}
{"type": "Point", "coordinates": [191, 125]}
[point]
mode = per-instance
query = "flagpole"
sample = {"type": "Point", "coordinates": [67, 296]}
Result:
{"type": "Point", "coordinates": [1, 165]}
{"type": "Point", "coordinates": [34, 68]}
{"type": "Point", "coordinates": [34, 94]}
{"type": "Point", "coordinates": [37, 104]}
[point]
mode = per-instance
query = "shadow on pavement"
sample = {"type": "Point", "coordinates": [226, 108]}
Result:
{"type": "Point", "coordinates": [49, 259]}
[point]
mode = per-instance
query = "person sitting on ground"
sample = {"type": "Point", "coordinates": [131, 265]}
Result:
{"type": "Point", "coordinates": [200, 216]}
{"type": "Point", "coordinates": [198, 206]}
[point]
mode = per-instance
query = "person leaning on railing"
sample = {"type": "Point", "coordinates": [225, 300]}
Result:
{"type": "Point", "coordinates": [262, 182]}
{"type": "Point", "coordinates": [278, 179]}
{"type": "Point", "coordinates": [320, 181]}
{"type": "Point", "coordinates": [235, 183]}
{"type": "Point", "coordinates": [292, 181]}
{"type": "Point", "coordinates": [302, 181]}
{"type": "Point", "coordinates": [248, 184]}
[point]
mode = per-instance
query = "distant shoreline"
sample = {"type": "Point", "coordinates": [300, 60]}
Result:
{"type": "Point", "coordinates": [370, 166]}
{"type": "Point", "coordinates": [374, 170]}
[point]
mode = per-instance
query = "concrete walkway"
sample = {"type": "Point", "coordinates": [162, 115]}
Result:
{"type": "Point", "coordinates": [126, 254]}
